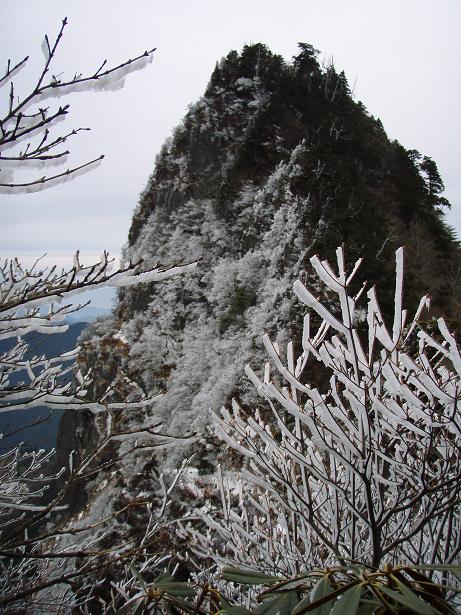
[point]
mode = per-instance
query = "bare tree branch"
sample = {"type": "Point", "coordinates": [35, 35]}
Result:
{"type": "Point", "coordinates": [18, 124]}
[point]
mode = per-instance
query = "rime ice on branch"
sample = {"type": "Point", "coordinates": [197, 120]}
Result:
{"type": "Point", "coordinates": [26, 126]}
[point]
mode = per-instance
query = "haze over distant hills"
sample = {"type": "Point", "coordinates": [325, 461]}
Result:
{"type": "Point", "coordinates": [87, 314]}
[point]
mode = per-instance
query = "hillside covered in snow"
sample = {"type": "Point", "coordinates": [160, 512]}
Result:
{"type": "Point", "coordinates": [276, 162]}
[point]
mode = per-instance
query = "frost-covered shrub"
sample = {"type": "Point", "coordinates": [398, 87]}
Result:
{"type": "Point", "coordinates": [363, 466]}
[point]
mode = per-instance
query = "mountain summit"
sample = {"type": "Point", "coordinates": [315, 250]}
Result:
{"type": "Point", "coordinates": [276, 162]}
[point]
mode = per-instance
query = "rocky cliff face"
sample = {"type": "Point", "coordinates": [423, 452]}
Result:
{"type": "Point", "coordinates": [274, 163]}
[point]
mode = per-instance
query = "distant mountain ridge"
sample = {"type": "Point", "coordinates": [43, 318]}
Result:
{"type": "Point", "coordinates": [88, 314]}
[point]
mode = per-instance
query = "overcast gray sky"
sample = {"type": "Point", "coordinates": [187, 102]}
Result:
{"type": "Point", "coordinates": [402, 55]}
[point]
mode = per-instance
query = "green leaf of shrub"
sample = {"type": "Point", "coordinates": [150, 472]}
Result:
{"type": "Point", "coordinates": [348, 603]}
{"type": "Point", "coordinates": [248, 577]}
{"type": "Point", "coordinates": [299, 608]}
{"type": "Point", "coordinates": [368, 608]}
{"type": "Point", "coordinates": [321, 590]}
{"type": "Point", "coordinates": [235, 610]}
{"type": "Point", "coordinates": [163, 578]}
{"type": "Point", "coordinates": [130, 607]}
{"type": "Point", "coordinates": [282, 604]}
{"type": "Point", "coordinates": [428, 586]}
{"type": "Point", "coordinates": [322, 598]}
{"type": "Point", "coordinates": [137, 575]}
{"type": "Point", "coordinates": [409, 599]}
{"type": "Point", "coordinates": [177, 588]}
{"type": "Point", "coordinates": [454, 569]}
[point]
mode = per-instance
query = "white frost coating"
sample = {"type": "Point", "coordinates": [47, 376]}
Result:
{"type": "Point", "coordinates": [24, 330]}
{"type": "Point", "coordinates": [309, 299]}
{"type": "Point", "coordinates": [454, 352]}
{"type": "Point", "coordinates": [325, 273]}
{"type": "Point", "coordinates": [48, 182]}
{"type": "Point", "coordinates": [287, 373]}
{"type": "Point", "coordinates": [24, 137]}
{"type": "Point", "coordinates": [45, 47]}
{"type": "Point", "coordinates": [122, 280]}
{"type": "Point", "coordinates": [113, 81]}
{"type": "Point", "coordinates": [6, 174]}
{"type": "Point", "coordinates": [45, 182]}
{"type": "Point", "coordinates": [100, 278]}
{"type": "Point", "coordinates": [354, 270]}
{"type": "Point", "coordinates": [254, 379]}
{"type": "Point", "coordinates": [397, 328]}
{"type": "Point", "coordinates": [29, 163]}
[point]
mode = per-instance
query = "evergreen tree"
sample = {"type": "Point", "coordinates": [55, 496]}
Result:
{"type": "Point", "coordinates": [433, 182]}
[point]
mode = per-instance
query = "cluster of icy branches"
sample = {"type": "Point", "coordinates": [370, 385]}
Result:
{"type": "Point", "coordinates": [364, 467]}
{"type": "Point", "coordinates": [35, 300]}
{"type": "Point", "coordinates": [31, 300]}
{"type": "Point", "coordinates": [27, 141]}
{"type": "Point", "coordinates": [50, 562]}
{"type": "Point", "coordinates": [67, 567]}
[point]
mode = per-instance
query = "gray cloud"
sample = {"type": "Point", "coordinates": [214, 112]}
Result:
{"type": "Point", "coordinates": [402, 57]}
